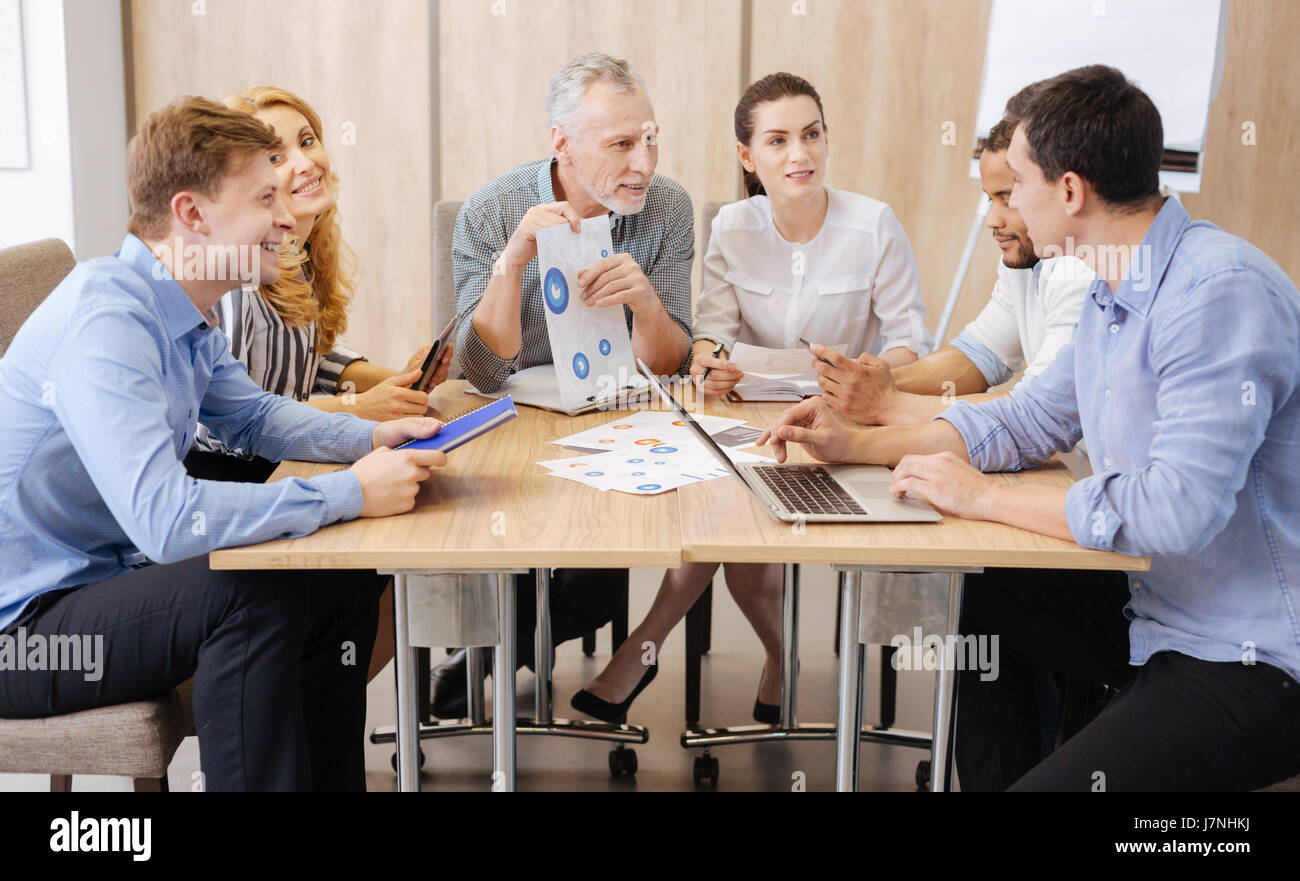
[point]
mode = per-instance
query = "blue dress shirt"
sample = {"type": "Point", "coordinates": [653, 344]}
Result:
{"type": "Point", "coordinates": [1184, 383]}
{"type": "Point", "coordinates": [100, 393]}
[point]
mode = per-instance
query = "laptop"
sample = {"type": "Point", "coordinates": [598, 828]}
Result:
{"type": "Point", "coordinates": [812, 493]}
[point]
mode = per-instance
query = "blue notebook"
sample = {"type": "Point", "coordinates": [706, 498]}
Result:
{"type": "Point", "coordinates": [464, 429]}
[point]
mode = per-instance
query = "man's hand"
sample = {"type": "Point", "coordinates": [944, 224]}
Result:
{"type": "Point", "coordinates": [949, 483]}
{"type": "Point", "coordinates": [862, 390]}
{"type": "Point", "coordinates": [618, 279]}
{"type": "Point", "coordinates": [814, 424]}
{"type": "Point", "coordinates": [522, 246]}
{"type": "Point", "coordinates": [390, 479]}
{"type": "Point", "coordinates": [396, 432]}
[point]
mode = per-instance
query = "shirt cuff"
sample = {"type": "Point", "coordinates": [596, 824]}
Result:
{"type": "Point", "coordinates": [343, 497]}
{"type": "Point", "coordinates": [1093, 520]}
{"type": "Point", "coordinates": [358, 436]}
{"type": "Point", "coordinates": [995, 372]}
{"type": "Point", "coordinates": [484, 368]}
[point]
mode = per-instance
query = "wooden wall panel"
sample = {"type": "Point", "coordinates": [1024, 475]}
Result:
{"type": "Point", "coordinates": [496, 58]}
{"type": "Point", "coordinates": [364, 64]}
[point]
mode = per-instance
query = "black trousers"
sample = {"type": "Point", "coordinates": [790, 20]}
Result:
{"type": "Point", "coordinates": [1177, 723]}
{"type": "Point", "coordinates": [279, 662]}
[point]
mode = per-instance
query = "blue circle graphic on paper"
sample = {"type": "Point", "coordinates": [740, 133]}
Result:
{"type": "Point", "coordinates": [581, 366]}
{"type": "Point", "coordinates": [661, 463]}
{"type": "Point", "coordinates": [635, 461]}
{"type": "Point", "coordinates": [646, 487]}
{"type": "Point", "coordinates": [604, 347]}
{"type": "Point", "coordinates": [663, 449]}
{"type": "Point", "coordinates": [604, 253]}
{"type": "Point", "coordinates": [638, 474]}
{"type": "Point", "coordinates": [595, 473]}
{"type": "Point", "coordinates": [556, 291]}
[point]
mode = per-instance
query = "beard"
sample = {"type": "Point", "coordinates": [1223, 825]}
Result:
{"type": "Point", "coordinates": [1022, 256]}
{"type": "Point", "coordinates": [612, 199]}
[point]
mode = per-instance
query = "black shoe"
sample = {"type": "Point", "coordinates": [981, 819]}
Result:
{"type": "Point", "coordinates": [448, 686]}
{"type": "Point", "coordinates": [615, 714]}
{"type": "Point", "coordinates": [767, 714]}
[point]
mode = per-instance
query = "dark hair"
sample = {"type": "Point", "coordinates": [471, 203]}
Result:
{"type": "Point", "coordinates": [769, 88]}
{"type": "Point", "coordinates": [1000, 136]}
{"type": "Point", "coordinates": [1095, 122]}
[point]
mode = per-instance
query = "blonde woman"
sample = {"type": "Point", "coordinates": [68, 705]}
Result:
{"type": "Point", "coordinates": [287, 333]}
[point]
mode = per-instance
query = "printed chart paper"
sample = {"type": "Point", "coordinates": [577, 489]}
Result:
{"type": "Point", "coordinates": [590, 345]}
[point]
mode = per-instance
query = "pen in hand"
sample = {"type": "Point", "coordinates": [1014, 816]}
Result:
{"type": "Point", "coordinates": [717, 350]}
{"type": "Point", "coordinates": [818, 357]}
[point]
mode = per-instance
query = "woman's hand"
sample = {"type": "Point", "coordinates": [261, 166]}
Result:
{"type": "Point", "coordinates": [439, 374]}
{"type": "Point", "coordinates": [392, 398]}
{"type": "Point", "coordinates": [722, 378]}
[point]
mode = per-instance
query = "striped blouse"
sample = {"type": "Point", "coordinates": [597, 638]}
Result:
{"type": "Point", "coordinates": [282, 360]}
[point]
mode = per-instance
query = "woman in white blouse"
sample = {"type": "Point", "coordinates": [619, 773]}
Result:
{"type": "Point", "coordinates": [796, 259]}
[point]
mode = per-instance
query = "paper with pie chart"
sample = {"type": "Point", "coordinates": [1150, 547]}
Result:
{"type": "Point", "coordinates": [645, 453]}
{"type": "Point", "coordinates": [590, 345]}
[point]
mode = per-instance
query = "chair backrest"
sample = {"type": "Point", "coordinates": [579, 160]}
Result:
{"type": "Point", "coordinates": [707, 213]}
{"type": "Point", "coordinates": [444, 284]}
{"type": "Point", "coordinates": [28, 273]}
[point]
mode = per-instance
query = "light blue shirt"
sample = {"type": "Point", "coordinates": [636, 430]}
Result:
{"type": "Point", "coordinates": [1184, 383]}
{"type": "Point", "coordinates": [100, 393]}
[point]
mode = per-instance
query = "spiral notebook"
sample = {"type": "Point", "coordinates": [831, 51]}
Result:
{"type": "Point", "coordinates": [463, 429]}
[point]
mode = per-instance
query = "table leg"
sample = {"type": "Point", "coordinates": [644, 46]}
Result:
{"type": "Point", "coordinates": [846, 732]}
{"type": "Point", "coordinates": [503, 690]}
{"type": "Point", "coordinates": [945, 694]}
{"type": "Point", "coordinates": [408, 736]}
{"type": "Point", "coordinates": [790, 647]}
{"type": "Point", "coordinates": [474, 687]}
{"type": "Point", "coordinates": [542, 648]}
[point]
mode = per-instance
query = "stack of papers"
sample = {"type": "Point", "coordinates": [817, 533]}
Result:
{"type": "Point", "coordinates": [775, 374]}
{"type": "Point", "coordinates": [650, 452]}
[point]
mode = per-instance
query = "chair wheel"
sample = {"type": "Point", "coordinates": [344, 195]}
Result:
{"type": "Point", "coordinates": [622, 760]}
{"type": "Point", "coordinates": [706, 768]}
{"type": "Point", "coordinates": [420, 762]}
{"type": "Point", "coordinates": [923, 773]}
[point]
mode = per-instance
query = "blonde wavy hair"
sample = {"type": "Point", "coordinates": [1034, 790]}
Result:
{"type": "Point", "coordinates": [317, 280]}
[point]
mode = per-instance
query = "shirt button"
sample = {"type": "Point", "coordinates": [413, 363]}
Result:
{"type": "Point", "coordinates": [1108, 394]}
{"type": "Point", "coordinates": [1114, 328]}
{"type": "Point", "coordinates": [1106, 461]}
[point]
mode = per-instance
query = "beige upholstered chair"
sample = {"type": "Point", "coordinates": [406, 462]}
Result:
{"type": "Point", "coordinates": [136, 740]}
{"type": "Point", "coordinates": [444, 285]}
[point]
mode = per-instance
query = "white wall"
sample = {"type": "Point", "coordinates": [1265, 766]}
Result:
{"type": "Point", "coordinates": [75, 189]}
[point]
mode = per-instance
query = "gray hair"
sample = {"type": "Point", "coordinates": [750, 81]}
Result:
{"type": "Point", "coordinates": [570, 83]}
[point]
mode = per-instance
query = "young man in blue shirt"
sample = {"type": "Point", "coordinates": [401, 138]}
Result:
{"type": "Point", "coordinates": [1182, 379]}
{"type": "Point", "coordinates": [106, 536]}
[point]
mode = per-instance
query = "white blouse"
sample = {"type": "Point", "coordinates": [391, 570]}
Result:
{"type": "Point", "coordinates": [854, 284]}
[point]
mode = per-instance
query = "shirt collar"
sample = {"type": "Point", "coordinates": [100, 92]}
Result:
{"type": "Point", "coordinates": [1151, 260]}
{"type": "Point", "coordinates": [180, 315]}
{"type": "Point", "coordinates": [546, 192]}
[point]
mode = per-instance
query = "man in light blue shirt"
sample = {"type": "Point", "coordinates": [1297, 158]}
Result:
{"type": "Point", "coordinates": [1183, 379]}
{"type": "Point", "coordinates": [104, 534]}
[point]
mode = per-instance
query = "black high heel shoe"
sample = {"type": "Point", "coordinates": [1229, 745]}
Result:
{"type": "Point", "coordinates": [615, 714]}
{"type": "Point", "coordinates": [766, 714]}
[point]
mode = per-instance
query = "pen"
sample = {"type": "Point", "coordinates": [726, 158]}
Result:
{"type": "Point", "coordinates": [818, 357]}
{"type": "Point", "coordinates": [717, 350]}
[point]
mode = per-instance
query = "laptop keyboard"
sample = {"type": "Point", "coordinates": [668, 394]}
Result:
{"type": "Point", "coordinates": [807, 489]}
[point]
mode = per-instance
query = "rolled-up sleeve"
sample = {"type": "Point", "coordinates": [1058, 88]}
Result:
{"type": "Point", "coordinates": [1027, 427]}
{"type": "Point", "coordinates": [475, 246]}
{"type": "Point", "coordinates": [670, 274]}
{"type": "Point", "coordinates": [332, 365]}
{"type": "Point", "coordinates": [1221, 376]}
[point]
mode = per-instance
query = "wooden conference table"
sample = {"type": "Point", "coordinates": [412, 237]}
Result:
{"type": "Point", "coordinates": [492, 511]}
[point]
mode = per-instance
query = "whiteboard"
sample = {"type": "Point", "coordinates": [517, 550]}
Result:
{"type": "Point", "coordinates": [13, 89]}
{"type": "Point", "coordinates": [1172, 49]}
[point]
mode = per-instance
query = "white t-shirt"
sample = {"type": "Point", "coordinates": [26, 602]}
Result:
{"type": "Point", "coordinates": [854, 284]}
{"type": "Point", "coordinates": [1029, 318]}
